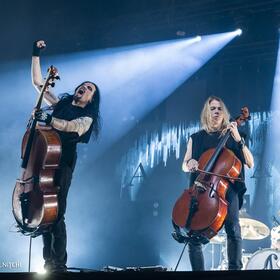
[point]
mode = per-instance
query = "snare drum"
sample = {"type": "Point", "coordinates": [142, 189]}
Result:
{"type": "Point", "coordinates": [264, 259]}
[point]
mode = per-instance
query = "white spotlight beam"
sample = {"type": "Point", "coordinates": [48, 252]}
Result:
{"type": "Point", "coordinates": [273, 136]}
{"type": "Point", "coordinates": [135, 79]}
{"type": "Point", "coordinates": [238, 31]}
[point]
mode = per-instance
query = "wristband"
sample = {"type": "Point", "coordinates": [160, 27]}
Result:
{"type": "Point", "coordinates": [36, 50]}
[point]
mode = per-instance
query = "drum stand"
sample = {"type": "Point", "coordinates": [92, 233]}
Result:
{"type": "Point", "coordinates": [212, 251]}
{"type": "Point", "coordinates": [223, 260]}
{"type": "Point", "coordinates": [212, 256]}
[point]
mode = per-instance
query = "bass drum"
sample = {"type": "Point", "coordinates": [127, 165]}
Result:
{"type": "Point", "coordinates": [264, 259]}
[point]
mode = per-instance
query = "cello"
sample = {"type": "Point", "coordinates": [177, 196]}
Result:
{"type": "Point", "coordinates": [34, 199]}
{"type": "Point", "coordinates": [200, 212]}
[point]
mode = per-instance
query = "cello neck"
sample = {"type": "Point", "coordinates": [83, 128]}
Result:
{"type": "Point", "coordinates": [244, 116]}
{"type": "Point", "coordinates": [221, 144]}
{"type": "Point", "coordinates": [52, 74]}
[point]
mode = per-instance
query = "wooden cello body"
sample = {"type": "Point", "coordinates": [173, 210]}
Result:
{"type": "Point", "coordinates": [200, 212]}
{"type": "Point", "coordinates": [34, 199]}
{"type": "Point", "coordinates": [209, 194]}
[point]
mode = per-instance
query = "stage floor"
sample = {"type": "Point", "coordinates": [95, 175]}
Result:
{"type": "Point", "coordinates": [209, 275]}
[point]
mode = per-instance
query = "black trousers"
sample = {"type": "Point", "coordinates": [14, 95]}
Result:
{"type": "Point", "coordinates": [55, 240]}
{"type": "Point", "coordinates": [234, 241]}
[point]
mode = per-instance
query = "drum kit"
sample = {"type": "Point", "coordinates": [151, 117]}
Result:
{"type": "Point", "coordinates": [251, 229]}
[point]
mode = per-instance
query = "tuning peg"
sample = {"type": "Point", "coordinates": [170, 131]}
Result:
{"type": "Point", "coordinates": [57, 77]}
{"type": "Point", "coordinates": [52, 84]}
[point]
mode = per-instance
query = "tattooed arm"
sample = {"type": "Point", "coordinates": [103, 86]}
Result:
{"type": "Point", "coordinates": [80, 125]}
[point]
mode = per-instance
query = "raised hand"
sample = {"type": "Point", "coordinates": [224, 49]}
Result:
{"type": "Point", "coordinates": [37, 47]}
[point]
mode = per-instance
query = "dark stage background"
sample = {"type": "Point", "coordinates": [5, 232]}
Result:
{"type": "Point", "coordinates": [113, 218]}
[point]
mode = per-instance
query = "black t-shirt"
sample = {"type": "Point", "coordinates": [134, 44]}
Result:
{"type": "Point", "coordinates": [202, 141]}
{"type": "Point", "coordinates": [66, 111]}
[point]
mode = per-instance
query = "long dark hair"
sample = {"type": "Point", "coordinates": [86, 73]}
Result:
{"type": "Point", "coordinates": [93, 109]}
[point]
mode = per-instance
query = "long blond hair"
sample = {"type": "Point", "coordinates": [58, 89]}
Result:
{"type": "Point", "coordinates": [205, 116]}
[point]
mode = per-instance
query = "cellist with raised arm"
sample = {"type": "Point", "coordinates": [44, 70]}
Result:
{"type": "Point", "coordinates": [75, 117]}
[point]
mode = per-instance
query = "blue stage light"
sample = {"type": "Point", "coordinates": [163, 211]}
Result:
{"type": "Point", "coordinates": [133, 80]}
{"type": "Point", "coordinates": [238, 31]}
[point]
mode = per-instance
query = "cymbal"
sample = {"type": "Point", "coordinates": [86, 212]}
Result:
{"type": "Point", "coordinates": [253, 230]}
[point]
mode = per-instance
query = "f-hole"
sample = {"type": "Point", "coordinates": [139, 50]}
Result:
{"type": "Point", "coordinates": [212, 191]}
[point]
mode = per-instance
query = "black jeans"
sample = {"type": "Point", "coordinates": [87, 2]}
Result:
{"type": "Point", "coordinates": [234, 241]}
{"type": "Point", "coordinates": [55, 240]}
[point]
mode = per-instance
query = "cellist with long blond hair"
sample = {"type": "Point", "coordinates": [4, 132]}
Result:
{"type": "Point", "coordinates": [215, 120]}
